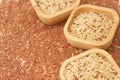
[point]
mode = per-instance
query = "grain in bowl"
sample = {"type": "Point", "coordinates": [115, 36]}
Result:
{"type": "Point", "coordinates": [91, 26]}
{"type": "Point", "coordinates": [94, 64]}
{"type": "Point", "coordinates": [52, 7]}
{"type": "Point", "coordinates": [54, 11]}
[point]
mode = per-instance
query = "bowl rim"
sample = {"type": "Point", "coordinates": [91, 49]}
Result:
{"type": "Point", "coordinates": [112, 30]}
{"type": "Point", "coordinates": [40, 13]}
{"type": "Point", "coordinates": [85, 53]}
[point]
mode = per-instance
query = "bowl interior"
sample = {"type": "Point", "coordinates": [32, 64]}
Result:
{"type": "Point", "coordinates": [59, 12]}
{"type": "Point", "coordinates": [103, 11]}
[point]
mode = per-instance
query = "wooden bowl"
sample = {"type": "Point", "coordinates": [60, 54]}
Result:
{"type": "Point", "coordinates": [104, 54]}
{"type": "Point", "coordinates": [55, 18]}
{"type": "Point", "coordinates": [86, 44]}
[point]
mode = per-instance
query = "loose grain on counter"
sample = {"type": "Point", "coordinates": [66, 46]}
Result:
{"type": "Point", "coordinates": [31, 50]}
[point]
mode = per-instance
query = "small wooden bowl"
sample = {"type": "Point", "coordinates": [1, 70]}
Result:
{"type": "Point", "coordinates": [56, 18]}
{"type": "Point", "coordinates": [85, 44]}
{"type": "Point", "coordinates": [100, 52]}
